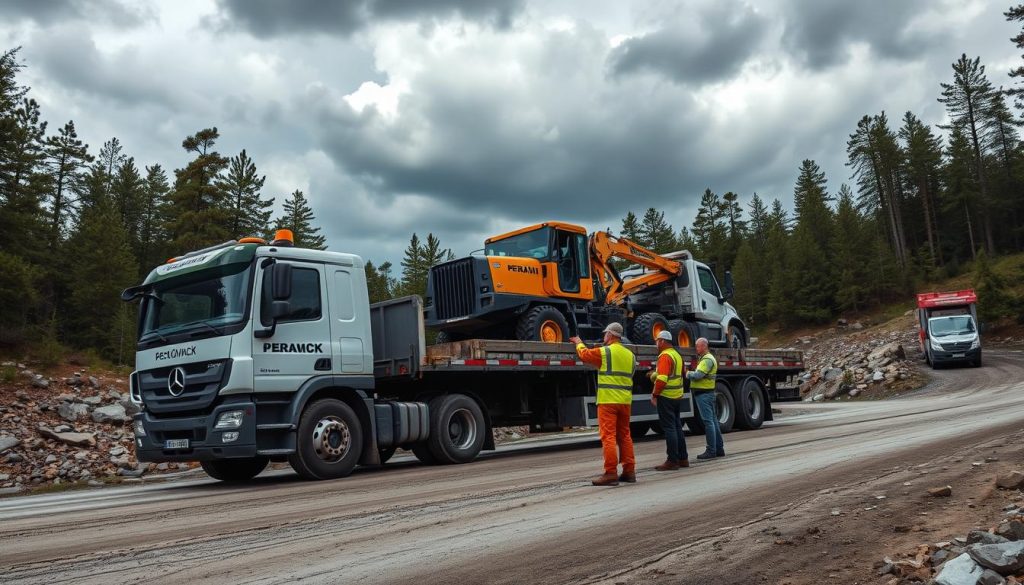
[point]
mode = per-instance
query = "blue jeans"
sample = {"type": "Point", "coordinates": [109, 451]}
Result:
{"type": "Point", "coordinates": [706, 405]}
{"type": "Point", "coordinates": [668, 416]}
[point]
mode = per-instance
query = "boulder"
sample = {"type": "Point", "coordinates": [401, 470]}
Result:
{"type": "Point", "coordinates": [40, 382]}
{"type": "Point", "coordinates": [115, 413]}
{"type": "Point", "coordinates": [836, 389]}
{"type": "Point", "coordinates": [1005, 558]}
{"type": "Point", "coordinates": [130, 408]}
{"type": "Point", "coordinates": [1010, 481]}
{"type": "Point", "coordinates": [990, 577]}
{"type": "Point", "coordinates": [984, 537]}
{"type": "Point", "coordinates": [93, 400]}
{"type": "Point", "coordinates": [878, 376]}
{"type": "Point", "coordinates": [941, 492]}
{"type": "Point", "coordinates": [830, 374]}
{"type": "Point", "coordinates": [72, 411]}
{"type": "Point", "coordinates": [7, 443]}
{"type": "Point", "coordinates": [75, 439]}
{"type": "Point", "coordinates": [960, 571]}
{"type": "Point", "coordinates": [1012, 530]}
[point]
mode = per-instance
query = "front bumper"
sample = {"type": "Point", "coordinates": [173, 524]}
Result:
{"type": "Point", "coordinates": [205, 442]}
{"type": "Point", "coordinates": [969, 355]}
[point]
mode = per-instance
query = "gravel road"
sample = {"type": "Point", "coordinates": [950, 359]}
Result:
{"type": "Point", "coordinates": [525, 515]}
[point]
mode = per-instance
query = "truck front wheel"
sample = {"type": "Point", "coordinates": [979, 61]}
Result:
{"type": "Point", "coordinates": [329, 441]}
{"type": "Point", "coordinates": [457, 428]}
{"type": "Point", "coordinates": [235, 469]}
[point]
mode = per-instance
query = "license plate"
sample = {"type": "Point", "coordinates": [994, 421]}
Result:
{"type": "Point", "coordinates": [176, 444]}
{"type": "Point", "coordinates": [959, 355]}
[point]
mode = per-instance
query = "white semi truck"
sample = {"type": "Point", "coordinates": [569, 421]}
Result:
{"type": "Point", "coordinates": [250, 352]}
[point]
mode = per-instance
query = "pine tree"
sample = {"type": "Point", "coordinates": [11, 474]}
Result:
{"type": "Point", "coordinates": [250, 215]}
{"type": "Point", "coordinates": [419, 258]}
{"type": "Point", "coordinates": [152, 237]}
{"type": "Point", "coordinates": [1002, 139]}
{"type": "Point", "coordinates": [298, 217]}
{"type": "Point", "coordinates": [747, 284]}
{"type": "Point", "coordinates": [1016, 13]}
{"type": "Point", "coordinates": [923, 160]}
{"type": "Point", "coordinates": [379, 282]}
{"type": "Point", "coordinates": [631, 228]}
{"type": "Point", "coordinates": [23, 185]}
{"type": "Point", "coordinates": [198, 215]}
{"type": "Point", "coordinates": [876, 159]}
{"type": "Point", "coordinates": [655, 233]}
{"type": "Point", "coordinates": [968, 102]}
{"type": "Point", "coordinates": [66, 158]}
{"type": "Point", "coordinates": [961, 191]}
{"type": "Point", "coordinates": [850, 260]}
{"type": "Point", "coordinates": [128, 192]}
{"type": "Point", "coordinates": [994, 299]}
{"type": "Point", "coordinates": [98, 186]}
{"type": "Point", "coordinates": [709, 228]}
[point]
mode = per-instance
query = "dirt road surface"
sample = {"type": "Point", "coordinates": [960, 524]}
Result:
{"type": "Point", "coordinates": [799, 501]}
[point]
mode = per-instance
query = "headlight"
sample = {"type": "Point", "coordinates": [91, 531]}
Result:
{"type": "Point", "coordinates": [976, 343]}
{"type": "Point", "coordinates": [935, 345]}
{"type": "Point", "coordinates": [229, 437]}
{"type": "Point", "coordinates": [140, 431]}
{"type": "Point", "coordinates": [231, 419]}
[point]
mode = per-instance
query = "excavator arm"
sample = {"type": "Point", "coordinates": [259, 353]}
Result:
{"type": "Point", "coordinates": [604, 247]}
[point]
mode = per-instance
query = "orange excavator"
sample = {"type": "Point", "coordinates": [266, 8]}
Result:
{"type": "Point", "coordinates": [547, 281]}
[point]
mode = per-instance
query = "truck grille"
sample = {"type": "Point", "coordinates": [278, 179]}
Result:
{"type": "Point", "coordinates": [454, 291]}
{"type": "Point", "coordinates": [957, 346]}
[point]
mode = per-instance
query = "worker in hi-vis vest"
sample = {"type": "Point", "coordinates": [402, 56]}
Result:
{"type": "Point", "coordinates": [702, 384]}
{"type": "Point", "coordinates": [668, 397]}
{"type": "Point", "coordinates": [616, 365]}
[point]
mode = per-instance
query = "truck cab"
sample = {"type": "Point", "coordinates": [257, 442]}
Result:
{"type": "Point", "coordinates": [948, 328]}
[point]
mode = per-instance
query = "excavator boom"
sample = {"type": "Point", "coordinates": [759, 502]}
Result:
{"type": "Point", "coordinates": [604, 247]}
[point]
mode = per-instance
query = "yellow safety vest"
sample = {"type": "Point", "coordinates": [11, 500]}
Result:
{"type": "Point", "coordinates": [708, 381]}
{"type": "Point", "coordinates": [673, 382]}
{"type": "Point", "coordinates": [615, 378]}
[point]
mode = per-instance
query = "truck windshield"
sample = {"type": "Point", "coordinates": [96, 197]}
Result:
{"type": "Point", "coordinates": [183, 305]}
{"type": "Point", "coordinates": [951, 325]}
{"type": "Point", "coordinates": [533, 244]}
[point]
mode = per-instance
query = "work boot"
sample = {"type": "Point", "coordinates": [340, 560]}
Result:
{"type": "Point", "coordinates": [668, 465]}
{"type": "Point", "coordinates": [684, 463]}
{"type": "Point", "coordinates": [706, 455]}
{"type": "Point", "coordinates": [628, 477]}
{"type": "Point", "coordinates": [606, 479]}
{"type": "Point", "coordinates": [720, 454]}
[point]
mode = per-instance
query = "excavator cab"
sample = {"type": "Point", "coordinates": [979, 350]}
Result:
{"type": "Point", "coordinates": [545, 260]}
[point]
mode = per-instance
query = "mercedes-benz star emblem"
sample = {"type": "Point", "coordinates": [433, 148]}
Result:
{"type": "Point", "coordinates": [176, 381]}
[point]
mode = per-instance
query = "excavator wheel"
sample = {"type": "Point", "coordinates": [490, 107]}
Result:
{"type": "Point", "coordinates": [683, 332]}
{"type": "Point", "coordinates": [543, 323]}
{"type": "Point", "coordinates": [647, 326]}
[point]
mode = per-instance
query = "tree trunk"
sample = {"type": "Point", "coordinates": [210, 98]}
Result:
{"type": "Point", "coordinates": [970, 232]}
{"type": "Point", "coordinates": [923, 187]}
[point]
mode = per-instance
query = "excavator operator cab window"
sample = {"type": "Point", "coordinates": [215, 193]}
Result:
{"type": "Point", "coordinates": [569, 252]}
{"type": "Point", "coordinates": [533, 244]}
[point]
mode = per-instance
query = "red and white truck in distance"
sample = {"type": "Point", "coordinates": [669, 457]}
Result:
{"type": "Point", "coordinates": [948, 327]}
{"type": "Point", "coordinates": [250, 352]}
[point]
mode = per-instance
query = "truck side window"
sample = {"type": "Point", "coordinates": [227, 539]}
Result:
{"type": "Point", "coordinates": [707, 282]}
{"type": "Point", "coordinates": [305, 300]}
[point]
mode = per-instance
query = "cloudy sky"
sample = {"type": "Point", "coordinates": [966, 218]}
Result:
{"type": "Point", "coordinates": [469, 117]}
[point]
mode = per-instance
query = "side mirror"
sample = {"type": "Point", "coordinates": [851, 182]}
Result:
{"type": "Point", "coordinates": [279, 309]}
{"type": "Point", "coordinates": [281, 282]}
{"type": "Point", "coordinates": [729, 287]}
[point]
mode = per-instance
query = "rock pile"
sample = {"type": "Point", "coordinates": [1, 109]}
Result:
{"type": "Point", "coordinates": [990, 557]}
{"type": "Point", "coordinates": [66, 429]}
{"type": "Point", "coordinates": [851, 363]}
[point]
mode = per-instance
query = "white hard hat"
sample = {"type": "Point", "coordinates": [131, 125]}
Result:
{"type": "Point", "coordinates": [667, 336]}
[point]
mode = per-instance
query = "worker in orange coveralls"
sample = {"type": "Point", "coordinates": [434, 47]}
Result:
{"type": "Point", "coordinates": [616, 365]}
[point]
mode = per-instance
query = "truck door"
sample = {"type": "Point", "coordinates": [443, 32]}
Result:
{"type": "Point", "coordinates": [301, 344]}
{"type": "Point", "coordinates": [350, 331]}
{"type": "Point", "coordinates": [572, 264]}
{"type": "Point", "coordinates": [710, 310]}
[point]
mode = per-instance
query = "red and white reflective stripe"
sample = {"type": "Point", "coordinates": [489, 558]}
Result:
{"type": "Point", "coordinates": [640, 364]}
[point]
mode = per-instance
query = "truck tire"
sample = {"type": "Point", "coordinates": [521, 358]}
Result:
{"type": "Point", "coordinates": [725, 407]}
{"type": "Point", "coordinates": [639, 429]}
{"type": "Point", "coordinates": [684, 333]}
{"type": "Point", "coordinates": [423, 453]}
{"type": "Point", "coordinates": [748, 396]}
{"type": "Point", "coordinates": [543, 323]}
{"type": "Point", "coordinates": [737, 340]}
{"type": "Point", "coordinates": [235, 469]}
{"type": "Point", "coordinates": [457, 429]}
{"type": "Point", "coordinates": [977, 361]}
{"type": "Point", "coordinates": [647, 326]}
{"type": "Point", "coordinates": [329, 441]}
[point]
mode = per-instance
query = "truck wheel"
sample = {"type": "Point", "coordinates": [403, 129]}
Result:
{"type": "Point", "coordinates": [235, 469]}
{"type": "Point", "coordinates": [423, 453]}
{"type": "Point", "coordinates": [329, 441]}
{"type": "Point", "coordinates": [736, 338]}
{"type": "Point", "coordinates": [543, 323]}
{"type": "Point", "coordinates": [977, 362]}
{"type": "Point", "coordinates": [726, 407]}
{"type": "Point", "coordinates": [639, 429]}
{"type": "Point", "coordinates": [683, 332]}
{"type": "Point", "coordinates": [647, 326]}
{"type": "Point", "coordinates": [457, 429]}
{"type": "Point", "coordinates": [750, 403]}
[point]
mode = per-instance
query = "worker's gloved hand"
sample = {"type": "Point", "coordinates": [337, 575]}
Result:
{"type": "Point", "coordinates": [651, 375]}
{"type": "Point", "coordinates": [576, 340]}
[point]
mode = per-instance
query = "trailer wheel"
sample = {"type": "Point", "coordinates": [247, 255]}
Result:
{"type": "Point", "coordinates": [683, 333]}
{"type": "Point", "coordinates": [750, 403]}
{"type": "Point", "coordinates": [329, 441]}
{"type": "Point", "coordinates": [235, 469]}
{"type": "Point", "coordinates": [457, 428]}
{"type": "Point", "coordinates": [725, 406]}
{"type": "Point", "coordinates": [646, 327]}
{"type": "Point", "coordinates": [543, 323]}
{"type": "Point", "coordinates": [638, 430]}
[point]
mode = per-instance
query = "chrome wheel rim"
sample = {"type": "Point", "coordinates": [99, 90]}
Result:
{"type": "Point", "coordinates": [462, 429]}
{"type": "Point", "coordinates": [331, 439]}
